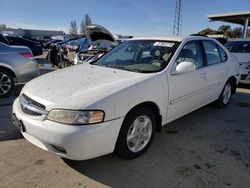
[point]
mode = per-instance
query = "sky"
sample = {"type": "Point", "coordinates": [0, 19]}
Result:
{"type": "Point", "coordinates": [126, 17]}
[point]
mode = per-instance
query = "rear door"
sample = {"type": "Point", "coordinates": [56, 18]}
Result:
{"type": "Point", "coordinates": [218, 69]}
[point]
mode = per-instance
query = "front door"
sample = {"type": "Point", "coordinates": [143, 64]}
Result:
{"type": "Point", "coordinates": [187, 91]}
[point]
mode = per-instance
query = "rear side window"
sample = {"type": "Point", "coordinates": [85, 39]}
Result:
{"type": "Point", "coordinates": [223, 54]}
{"type": "Point", "coordinates": [211, 51]}
{"type": "Point", "coordinates": [238, 46]}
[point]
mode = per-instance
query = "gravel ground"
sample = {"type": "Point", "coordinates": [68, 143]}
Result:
{"type": "Point", "coordinates": [207, 148]}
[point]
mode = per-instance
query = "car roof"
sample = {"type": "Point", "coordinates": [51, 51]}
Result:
{"type": "Point", "coordinates": [171, 38]}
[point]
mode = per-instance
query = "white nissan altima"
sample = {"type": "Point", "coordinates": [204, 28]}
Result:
{"type": "Point", "coordinates": [118, 102]}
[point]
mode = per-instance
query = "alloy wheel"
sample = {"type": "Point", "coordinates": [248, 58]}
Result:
{"type": "Point", "coordinates": [227, 93]}
{"type": "Point", "coordinates": [139, 133]}
{"type": "Point", "coordinates": [5, 83]}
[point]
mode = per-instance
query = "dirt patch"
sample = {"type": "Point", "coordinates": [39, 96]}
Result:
{"type": "Point", "coordinates": [39, 162]}
{"type": "Point", "coordinates": [209, 165]}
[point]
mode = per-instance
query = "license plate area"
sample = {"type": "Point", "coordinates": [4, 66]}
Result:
{"type": "Point", "coordinates": [18, 123]}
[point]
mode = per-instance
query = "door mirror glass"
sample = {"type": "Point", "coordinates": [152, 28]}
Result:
{"type": "Point", "coordinates": [184, 67]}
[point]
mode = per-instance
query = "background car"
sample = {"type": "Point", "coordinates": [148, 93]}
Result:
{"type": "Point", "coordinates": [48, 44]}
{"type": "Point", "coordinates": [35, 47]}
{"type": "Point", "coordinates": [98, 42]}
{"type": "Point", "coordinates": [241, 49]}
{"type": "Point", "coordinates": [17, 65]}
{"type": "Point", "coordinates": [3, 39]}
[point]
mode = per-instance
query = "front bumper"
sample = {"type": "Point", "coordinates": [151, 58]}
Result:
{"type": "Point", "coordinates": [72, 142]}
{"type": "Point", "coordinates": [245, 76]}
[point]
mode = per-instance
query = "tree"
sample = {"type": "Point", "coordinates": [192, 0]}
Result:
{"type": "Point", "coordinates": [86, 21]}
{"type": "Point", "coordinates": [73, 28]}
{"type": "Point", "coordinates": [82, 28]}
{"type": "Point", "coordinates": [237, 32]}
{"type": "Point", "coordinates": [207, 31]}
{"type": "Point", "coordinates": [3, 26]}
{"type": "Point", "coordinates": [224, 28]}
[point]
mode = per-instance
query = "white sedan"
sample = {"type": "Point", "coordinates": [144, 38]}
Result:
{"type": "Point", "coordinates": [241, 49]}
{"type": "Point", "coordinates": [120, 101]}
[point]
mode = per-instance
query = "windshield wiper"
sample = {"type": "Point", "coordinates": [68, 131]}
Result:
{"type": "Point", "coordinates": [125, 68]}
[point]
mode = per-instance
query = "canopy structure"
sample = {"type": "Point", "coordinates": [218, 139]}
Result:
{"type": "Point", "coordinates": [241, 18]}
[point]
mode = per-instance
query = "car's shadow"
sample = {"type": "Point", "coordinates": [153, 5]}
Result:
{"type": "Point", "coordinates": [7, 130]}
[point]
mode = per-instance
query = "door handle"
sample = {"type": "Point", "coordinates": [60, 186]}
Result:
{"type": "Point", "coordinates": [203, 76]}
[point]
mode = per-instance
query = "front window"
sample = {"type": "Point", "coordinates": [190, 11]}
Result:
{"type": "Point", "coordinates": [140, 56]}
{"type": "Point", "coordinates": [191, 52]}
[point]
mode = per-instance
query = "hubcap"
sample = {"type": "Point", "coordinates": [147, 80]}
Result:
{"type": "Point", "coordinates": [227, 93]}
{"type": "Point", "coordinates": [139, 133]}
{"type": "Point", "coordinates": [5, 83]}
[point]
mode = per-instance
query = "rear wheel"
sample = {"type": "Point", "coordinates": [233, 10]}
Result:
{"type": "Point", "coordinates": [137, 133]}
{"type": "Point", "coordinates": [225, 95]}
{"type": "Point", "coordinates": [6, 83]}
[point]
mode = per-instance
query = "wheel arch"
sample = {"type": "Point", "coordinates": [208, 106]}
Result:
{"type": "Point", "coordinates": [9, 70]}
{"type": "Point", "coordinates": [155, 109]}
{"type": "Point", "coordinates": [233, 81]}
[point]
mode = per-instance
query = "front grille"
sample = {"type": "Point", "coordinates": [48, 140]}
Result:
{"type": "Point", "coordinates": [31, 107]}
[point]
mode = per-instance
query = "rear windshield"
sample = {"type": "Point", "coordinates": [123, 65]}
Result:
{"type": "Point", "coordinates": [238, 46]}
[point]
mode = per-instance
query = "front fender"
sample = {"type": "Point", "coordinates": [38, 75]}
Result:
{"type": "Point", "coordinates": [153, 89]}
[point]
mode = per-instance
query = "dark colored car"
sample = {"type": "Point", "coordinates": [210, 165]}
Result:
{"type": "Point", "coordinates": [50, 43]}
{"type": "Point", "coordinates": [34, 40]}
{"type": "Point", "coordinates": [3, 39]}
{"type": "Point", "coordinates": [35, 47]}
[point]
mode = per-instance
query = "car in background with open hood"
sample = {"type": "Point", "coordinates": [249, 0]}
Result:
{"type": "Point", "coordinates": [100, 41]}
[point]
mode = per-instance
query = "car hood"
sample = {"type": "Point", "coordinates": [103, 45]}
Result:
{"type": "Point", "coordinates": [79, 86]}
{"type": "Point", "coordinates": [97, 34]}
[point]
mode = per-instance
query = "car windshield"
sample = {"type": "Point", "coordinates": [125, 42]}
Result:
{"type": "Point", "coordinates": [238, 46]}
{"type": "Point", "coordinates": [144, 56]}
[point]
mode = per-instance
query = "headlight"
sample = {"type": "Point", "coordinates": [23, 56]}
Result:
{"type": "Point", "coordinates": [76, 117]}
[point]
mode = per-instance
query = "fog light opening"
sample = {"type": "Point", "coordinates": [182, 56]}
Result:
{"type": "Point", "coordinates": [59, 149]}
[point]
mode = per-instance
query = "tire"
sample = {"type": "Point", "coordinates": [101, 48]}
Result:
{"type": "Point", "coordinates": [136, 135]}
{"type": "Point", "coordinates": [225, 95]}
{"type": "Point", "coordinates": [6, 83]}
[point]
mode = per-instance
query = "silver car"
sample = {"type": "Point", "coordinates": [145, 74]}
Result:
{"type": "Point", "coordinates": [17, 65]}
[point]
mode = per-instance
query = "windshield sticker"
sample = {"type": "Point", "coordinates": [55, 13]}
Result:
{"type": "Point", "coordinates": [164, 44]}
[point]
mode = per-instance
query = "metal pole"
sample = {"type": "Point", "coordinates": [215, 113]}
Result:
{"type": "Point", "coordinates": [245, 29]}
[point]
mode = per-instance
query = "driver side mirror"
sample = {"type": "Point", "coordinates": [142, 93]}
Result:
{"type": "Point", "coordinates": [184, 67]}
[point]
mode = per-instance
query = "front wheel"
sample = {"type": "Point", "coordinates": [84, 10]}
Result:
{"type": "Point", "coordinates": [225, 95]}
{"type": "Point", "coordinates": [137, 133]}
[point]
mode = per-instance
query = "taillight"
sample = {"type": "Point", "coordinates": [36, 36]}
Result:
{"type": "Point", "coordinates": [26, 54]}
